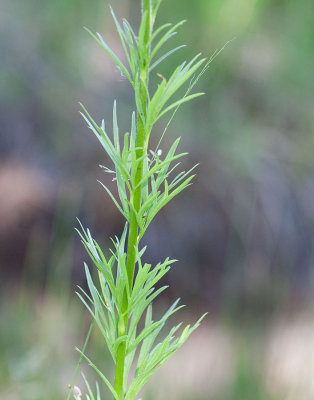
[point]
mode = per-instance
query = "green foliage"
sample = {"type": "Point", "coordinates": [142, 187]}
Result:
{"type": "Point", "coordinates": [146, 182]}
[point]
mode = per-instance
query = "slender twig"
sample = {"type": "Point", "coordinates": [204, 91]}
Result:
{"type": "Point", "coordinates": [80, 360]}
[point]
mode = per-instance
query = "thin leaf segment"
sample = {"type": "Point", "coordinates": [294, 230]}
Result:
{"type": "Point", "coordinates": [146, 182]}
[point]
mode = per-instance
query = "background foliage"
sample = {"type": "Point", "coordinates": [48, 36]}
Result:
{"type": "Point", "coordinates": [244, 234]}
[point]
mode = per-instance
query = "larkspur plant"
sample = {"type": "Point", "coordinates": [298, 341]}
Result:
{"type": "Point", "coordinates": [146, 182]}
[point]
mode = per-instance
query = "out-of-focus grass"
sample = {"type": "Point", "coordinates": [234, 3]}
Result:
{"type": "Point", "coordinates": [36, 346]}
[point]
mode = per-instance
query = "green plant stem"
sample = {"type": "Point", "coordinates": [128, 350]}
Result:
{"type": "Point", "coordinates": [136, 197]}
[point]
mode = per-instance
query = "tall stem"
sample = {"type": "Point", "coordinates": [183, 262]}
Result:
{"type": "Point", "coordinates": [136, 195]}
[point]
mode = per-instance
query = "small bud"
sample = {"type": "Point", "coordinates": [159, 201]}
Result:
{"type": "Point", "coordinates": [162, 77]}
{"type": "Point", "coordinates": [77, 393]}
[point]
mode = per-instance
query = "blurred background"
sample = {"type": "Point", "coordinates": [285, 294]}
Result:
{"type": "Point", "coordinates": [243, 232]}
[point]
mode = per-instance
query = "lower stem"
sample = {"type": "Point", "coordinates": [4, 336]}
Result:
{"type": "Point", "coordinates": [121, 353]}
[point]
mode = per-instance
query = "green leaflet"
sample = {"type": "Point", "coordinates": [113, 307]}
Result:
{"type": "Point", "coordinates": [102, 376]}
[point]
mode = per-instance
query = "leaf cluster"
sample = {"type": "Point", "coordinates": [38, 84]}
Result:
{"type": "Point", "coordinates": [106, 308]}
{"type": "Point", "coordinates": [135, 50]}
{"type": "Point", "coordinates": [159, 184]}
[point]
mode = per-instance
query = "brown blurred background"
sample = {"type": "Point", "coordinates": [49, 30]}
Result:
{"type": "Point", "coordinates": [243, 232]}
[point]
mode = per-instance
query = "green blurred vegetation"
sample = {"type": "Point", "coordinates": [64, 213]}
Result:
{"type": "Point", "coordinates": [246, 245]}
